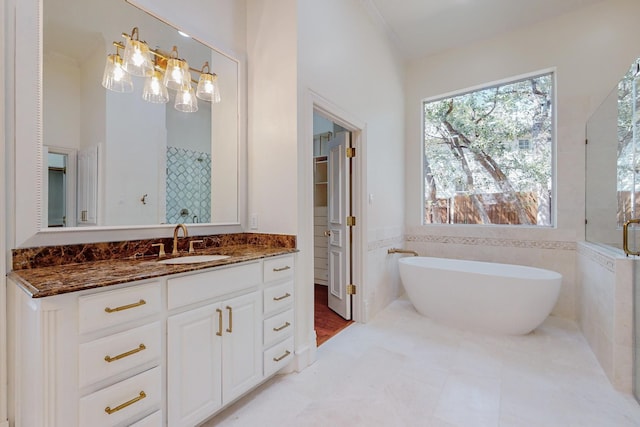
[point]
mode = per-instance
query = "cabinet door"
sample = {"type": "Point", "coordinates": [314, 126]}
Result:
{"type": "Point", "coordinates": [194, 365]}
{"type": "Point", "coordinates": [242, 344]}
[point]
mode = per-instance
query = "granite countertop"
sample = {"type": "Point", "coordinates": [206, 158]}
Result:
{"type": "Point", "coordinates": [61, 279]}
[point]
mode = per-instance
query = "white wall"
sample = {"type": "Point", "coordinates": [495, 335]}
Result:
{"type": "Point", "coordinates": [590, 50]}
{"type": "Point", "coordinates": [272, 115]}
{"type": "Point", "coordinates": [220, 24]}
{"type": "Point", "coordinates": [606, 310]}
{"type": "Point", "coordinates": [345, 59]}
{"type": "Point", "coordinates": [136, 138]}
{"type": "Point", "coordinates": [62, 101]}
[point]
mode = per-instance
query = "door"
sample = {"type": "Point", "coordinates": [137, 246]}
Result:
{"type": "Point", "coordinates": [57, 190]}
{"type": "Point", "coordinates": [88, 186]}
{"type": "Point", "coordinates": [194, 374]}
{"type": "Point", "coordinates": [338, 211]}
{"type": "Point", "coordinates": [241, 344]}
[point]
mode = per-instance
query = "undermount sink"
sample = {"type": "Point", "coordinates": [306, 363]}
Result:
{"type": "Point", "coordinates": [193, 259]}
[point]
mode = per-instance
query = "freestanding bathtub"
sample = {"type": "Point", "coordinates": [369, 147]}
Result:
{"type": "Point", "coordinates": [480, 296]}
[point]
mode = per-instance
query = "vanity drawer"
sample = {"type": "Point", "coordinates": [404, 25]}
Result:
{"type": "Point", "coordinates": [114, 354]}
{"type": "Point", "coordinates": [278, 356]}
{"type": "Point", "coordinates": [211, 284]}
{"type": "Point", "coordinates": [278, 268]}
{"type": "Point", "coordinates": [278, 296]}
{"type": "Point", "coordinates": [153, 420]}
{"type": "Point", "coordinates": [122, 401]}
{"type": "Point", "coordinates": [278, 327]}
{"type": "Point", "coordinates": [106, 309]}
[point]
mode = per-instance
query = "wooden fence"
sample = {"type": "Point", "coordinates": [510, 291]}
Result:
{"type": "Point", "coordinates": [461, 210]}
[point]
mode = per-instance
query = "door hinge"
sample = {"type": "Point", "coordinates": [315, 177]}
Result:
{"type": "Point", "coordinates": [351, 221]}
{"type": "Point", "coordinates": [351, 289]}
{"type": "Point", "coordinates": [351, 152]}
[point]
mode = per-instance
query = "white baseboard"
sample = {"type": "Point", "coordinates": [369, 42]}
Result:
{"type": "Point", "coordinates": [4, 423]}
{"type": "Point", "coordinates": [305, 356]}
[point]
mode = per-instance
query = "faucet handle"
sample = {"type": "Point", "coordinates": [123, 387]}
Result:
{"type": "Point", "coordinates": [161, 246]}
{"type": "Point", "coordinates": [191, 249]}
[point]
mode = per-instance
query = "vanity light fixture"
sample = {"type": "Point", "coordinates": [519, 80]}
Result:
{"type": "Point", "coordinates": [186, 100]}
{"type": "Point", "coordinates": [115, 78]}
{"type": "Point", "coordinates": [177, 73]}
{"type": "Point", "coordinates": [208, 89]}
{"type": "Point", "coordinates": [162, 71]}
{"type": "Point", "coordinates": [154, 91]}
{"type": "Point", "coordinates": [137, 56]}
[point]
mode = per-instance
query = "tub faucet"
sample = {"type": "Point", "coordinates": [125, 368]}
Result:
{"type": "Point", "coordinates": [402, 251]}
{"type": "Point", "coordinates": [185, 233]}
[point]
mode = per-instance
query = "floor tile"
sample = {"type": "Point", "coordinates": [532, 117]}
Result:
{"type": "Point", "coordinates": [402, 369]}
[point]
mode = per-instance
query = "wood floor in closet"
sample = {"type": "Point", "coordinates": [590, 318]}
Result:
{"type": "Point", "coordinates": [327, 322]}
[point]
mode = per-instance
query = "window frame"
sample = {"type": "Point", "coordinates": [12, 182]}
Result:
{"type": "Point", "coordinates": [552, 71]}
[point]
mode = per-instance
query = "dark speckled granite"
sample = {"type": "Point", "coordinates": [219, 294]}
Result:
{"type": "Point", "coordinates": [56, 270]}
{"type": "Point", "coordinates": [48, 256]}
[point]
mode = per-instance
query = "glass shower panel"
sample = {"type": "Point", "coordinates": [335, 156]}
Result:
{"type": "Point", "coordinates": [612, 199]}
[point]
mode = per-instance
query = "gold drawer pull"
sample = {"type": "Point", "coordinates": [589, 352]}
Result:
{"type": "Point", "coordinates": [230, 328]}
{"type": "Point", "coordinates": [277, 359]}
{"type": "Point", "coordinates": [287, 295]}
{"type": "Point", "coordinates": [123, 355]}
{"type": "Point", "coordinates": [110, 411]}
{"type": "Point", "coordinates": [286, 325]}
{"type": "Point", "coordinates": [125, 307]}
{"type": "Point", "coordinates": [286, 267]}
{"type": "Point", "coordinates": [219, 333]}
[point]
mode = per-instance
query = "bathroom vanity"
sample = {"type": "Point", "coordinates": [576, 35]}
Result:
{"type": "Point", "coordinates": [164, 345]}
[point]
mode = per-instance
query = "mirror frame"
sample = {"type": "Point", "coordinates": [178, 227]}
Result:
{"type": "Point", "coordinates": [28, 165]}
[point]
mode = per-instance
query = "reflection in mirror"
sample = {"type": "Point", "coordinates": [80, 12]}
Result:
{"type": "Point", "coordinates": [57, 189]}
{"type": "Point", "coordinates": [613, 169]}
{"type": "Point", "coordinates": [138, 162]}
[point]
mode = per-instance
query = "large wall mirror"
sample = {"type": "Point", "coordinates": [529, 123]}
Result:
{"type": "Point", "coordinates": [110, 160]}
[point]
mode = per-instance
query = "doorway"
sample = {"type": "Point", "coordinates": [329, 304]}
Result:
{"type": "Point", "coordinates": [60, 186]}
{"type": "Point", "coordinates": [332, 228]}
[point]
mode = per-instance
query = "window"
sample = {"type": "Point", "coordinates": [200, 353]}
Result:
{"type": "Point", "coordinates": [488, 155]}
{"type": "Point", "coordinates": [524, 144]}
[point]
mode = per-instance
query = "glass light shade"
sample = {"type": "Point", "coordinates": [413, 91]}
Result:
{"type": "Point", "coordinates": [186, 100]}
{"type": "Point", "coordinates": [177, 74]}
{"type": "Point", "coordinates": [208, 88]}
{"type": "Point", "coordinates": [114, 77]}
{"type": "Point", "coordinates": [154, 91]}
{"type": "Point", "coordinates": [137, 58]}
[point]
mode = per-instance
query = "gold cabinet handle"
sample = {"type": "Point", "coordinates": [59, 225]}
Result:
{"type": "Point", "coordinates": [230, 328]}
{"type": "Point", "coordinates": [286, 267]}
{"type": "Point", "coordinates": [219, 333]}
{"type": "Point", "coordinates": [277, 359]}
{"type": "Point", "coordinates": [287, 295]}
{"type": "Point", "coordinates": [286, 325]}
{"type": "Point", "coordinates": [110, 359]}
{"type": "Point", "coordinates": [138, 398]}
{"type": "Point", "coordinates": [125, 307]}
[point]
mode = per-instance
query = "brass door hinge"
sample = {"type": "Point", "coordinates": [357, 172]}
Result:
{"type": "Point", "coordinates": [351, 221]}
{"type": "Point", "coordinates": [351, 289]}
{"type": "Point", "coordinates": [351, 152]}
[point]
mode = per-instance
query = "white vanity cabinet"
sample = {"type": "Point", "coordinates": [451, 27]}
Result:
{"type": "Point", "coordinates": [213, 356]}
{"type": "Point", "coordinates": [171, 351]}
{"type": "Point", "coordinates": [278, 274]}
{"type": "Point", "coordinates": [88, 358]}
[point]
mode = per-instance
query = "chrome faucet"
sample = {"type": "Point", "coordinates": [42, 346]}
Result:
{"type": "Point", "coordinates": [175, 237]}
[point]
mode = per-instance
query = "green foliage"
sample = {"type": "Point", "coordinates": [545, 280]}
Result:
{"type": "Point", "coordinates": [487, 124]}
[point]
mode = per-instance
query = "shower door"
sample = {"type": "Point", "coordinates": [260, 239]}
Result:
{"type": "Point", "coordinates": [629, 183]}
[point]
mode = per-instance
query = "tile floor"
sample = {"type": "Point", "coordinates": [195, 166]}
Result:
{"type": "Point", "coordinates": [402, 369]}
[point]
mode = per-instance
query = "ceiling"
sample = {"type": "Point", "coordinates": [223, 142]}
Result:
{"type": "Point", "coordinates": [421, 28]}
